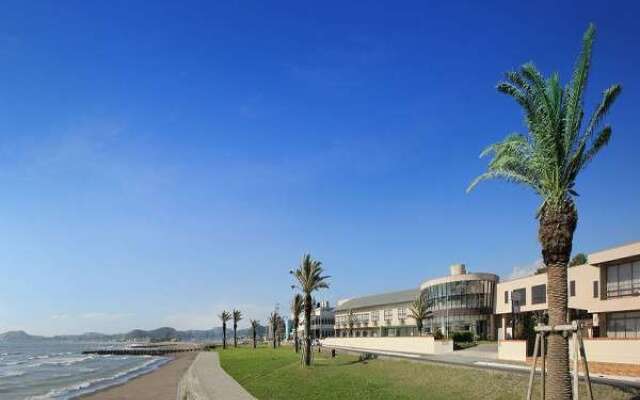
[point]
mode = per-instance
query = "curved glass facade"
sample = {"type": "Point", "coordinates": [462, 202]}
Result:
{"type": "Point", "coordinates": [460, 305]}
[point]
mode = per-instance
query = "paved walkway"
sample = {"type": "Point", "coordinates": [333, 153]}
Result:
{"type": "Point", "coordinates": [206, 379]}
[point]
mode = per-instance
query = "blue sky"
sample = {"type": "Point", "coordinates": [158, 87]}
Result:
{"type": "Point", "coordinates": [161, 162]}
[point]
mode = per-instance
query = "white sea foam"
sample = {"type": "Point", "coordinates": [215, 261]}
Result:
{"type": "Point", "coordinates": [93, 385]}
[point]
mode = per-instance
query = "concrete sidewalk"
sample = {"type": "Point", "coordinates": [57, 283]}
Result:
{"type": "Point", "coordinates": [206, 380]}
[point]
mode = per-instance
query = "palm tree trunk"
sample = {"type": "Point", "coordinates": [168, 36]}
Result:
{"type": "Point", "coordinates": [307, 329]}
{"type": "Point", "coordinates": [235, 339]}
{"type": "Point", "coordinates": [556, 236]}
{"type": "Point", "coordinates": [254, 339]}
{"type": "Point", "coordinates": [224, 336]}
{"type": "Point", "coordinates": [295, 335]}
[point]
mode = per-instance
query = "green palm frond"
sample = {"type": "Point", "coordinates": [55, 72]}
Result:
{"type": "Point", "coordinates": [555, 149]}
{"type": "Point", "coordinates": [309, 275]}
{"type": "Point", "coordinates": [418, 309]}
{"type": "Point", "coordinates": [224, 316]}
{"type": "Point", "coordinates": [236, 315]}
{"type": "Point", "coordinates": [274, 317]}
{"type": "Point", "coordinates": [297, 305]}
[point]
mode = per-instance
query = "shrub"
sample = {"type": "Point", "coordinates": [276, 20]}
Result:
{"type": "Point", "coordinates": [459, 337]}
{"type": "Point", "coordinates": [437, 335]}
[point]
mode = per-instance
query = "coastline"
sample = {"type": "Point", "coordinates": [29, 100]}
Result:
{"type": "Point", "coordinates": [159, 384]}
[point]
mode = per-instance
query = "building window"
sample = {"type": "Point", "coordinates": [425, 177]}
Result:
{"type": "Point", "coordinates": [388, 315]}
{"type": "Point", "coordinates": [519, 297]}
{"type": "Point", "coordinates": [623, 279]}
{"type": "Point", "coordinates": [625, 325]}
{"type": "Point", "coordinates": [402, 313]}
{"type": "Point", "coordinates": [539, 294]}
{"type": "Point", "coordinates": [362, 318]}
{"type": "Point", "coordinates": [506, 297]}
{"type": "Point", "coordinates": [595, 289]}
{"type": "Point", "coordinates": [375, 316]}
{"type": "Point", "coordinates": [572, 288]}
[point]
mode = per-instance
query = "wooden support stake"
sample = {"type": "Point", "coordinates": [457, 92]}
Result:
{"type": "Point", "coordinates": [583, 354]}
{"type": "Point", "coordinates": [543, 371]}
{"type": "Point", "coordinates": [576, 354]}
{"type": "Point", "coordinates": [533, 367]}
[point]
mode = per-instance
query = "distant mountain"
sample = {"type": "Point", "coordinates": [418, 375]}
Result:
{"type": "Point", "coordinates": [18, 336]}
{"type": "Point", "coordinates": [160, 334]}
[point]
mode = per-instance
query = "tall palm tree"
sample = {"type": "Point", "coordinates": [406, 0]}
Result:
{"type": "Point", "coordinates": [224, 317]}
{"type": "Point", "coordinates": [237, 317]}
{"type": "Point", "coordinates": [297, 305]}
{"type": "Point", "coordinates": [273, 320]}
{"type": "Point", "coordinates": [418, 311]}
{"type": "Point", "coordinates": [310, 278]}
{"type": "Point", "coordinates": [254, 330]}
{"type": "Point", "coordinates": [548, 159]}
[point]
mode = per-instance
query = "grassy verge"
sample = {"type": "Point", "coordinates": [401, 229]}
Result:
{"type": "Point", "coordinates": [277, 374]}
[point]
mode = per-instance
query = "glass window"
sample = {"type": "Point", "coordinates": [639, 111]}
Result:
{"type": "Point", "coordinates": [402, 313]}
{"type": "Point", "coordinates": [636, 277]}
{"type": "Point", "coordinates": [539, 294]}
{"type": "Point", "coordinates": [506, 297]}
{"type": "Point", "coordinates": [519, 297]}
{"type": "Point", "coordinates": [572, 288]}
{"type": "Point", "coordinates": [623, 279]}
{"type": "Point", "coordinates": [388, 315]}
{"type": "Point", "coordinates": [624, 325]}
{"type": "Point", "coordinates": [612, 280]}
{"type": "Point", "coordinates": [595, 289]}
{"type": "Point", "coordinates": [375, 315]}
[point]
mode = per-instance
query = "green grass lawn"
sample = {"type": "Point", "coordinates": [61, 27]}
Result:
{"type": "Point", "coordinates": [277, 374]}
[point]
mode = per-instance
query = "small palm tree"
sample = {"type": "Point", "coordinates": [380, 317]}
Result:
{"type": "Point", "coordinates": [297, 306]}
{"type": "Point", "coordinates": [548, 159]}
{"type": "Point", "coordinates": [224, 317]}
{"type": "Point", "coordinates": [351, 320]}
{"type": "Point", "coordinates": [418, 311]}
{"type": "Point", "coordinates": [310, 278]}
{"type": "Point", "coordinates": [280, 330]}
{"type": "Point", "coordinates": [237, 317]}
{"type": "Point", "coordinates": [254, 330]}
{"type": "Point", "coordinates": [273, 320]}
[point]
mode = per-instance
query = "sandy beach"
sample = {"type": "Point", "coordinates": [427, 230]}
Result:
{"type": "Point", "coordinates": [161, 384]}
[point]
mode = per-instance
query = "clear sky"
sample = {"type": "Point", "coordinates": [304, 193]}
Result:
{"type": "Point", "coordinates": [160, 161]}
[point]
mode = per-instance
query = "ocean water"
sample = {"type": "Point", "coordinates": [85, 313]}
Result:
{"type": "Point", "coordinates": [45, 370]}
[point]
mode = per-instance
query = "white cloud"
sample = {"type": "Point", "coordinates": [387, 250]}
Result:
{"type": "Point", "coordinates": [95, 316]}
{"type": "Point", "coordinates": [525, 270]}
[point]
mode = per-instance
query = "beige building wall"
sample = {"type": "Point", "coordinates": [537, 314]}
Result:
{"type": "Point", "coordinates": [512, 350]}
{"type": "Point", "coordinates": [368, 312]}
{"type": "Point", "coordinates": [583, 276]}
{"type": "Point", "coordinates": [611, 350]}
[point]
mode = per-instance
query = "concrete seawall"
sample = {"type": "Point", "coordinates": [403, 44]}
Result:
{"type": "Point", "coordinates": [409, 344]}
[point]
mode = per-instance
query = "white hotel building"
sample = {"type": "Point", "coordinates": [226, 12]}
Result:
{"type": "Point", "coordinates": [604, 294]}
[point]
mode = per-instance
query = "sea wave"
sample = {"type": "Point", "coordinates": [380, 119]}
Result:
{"type": "Point", "coordinates": [93, 385]}
{"type": "Point", "coordinates": [61, 361]}
{"type": "Point", "coordinates": [11, 373]}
